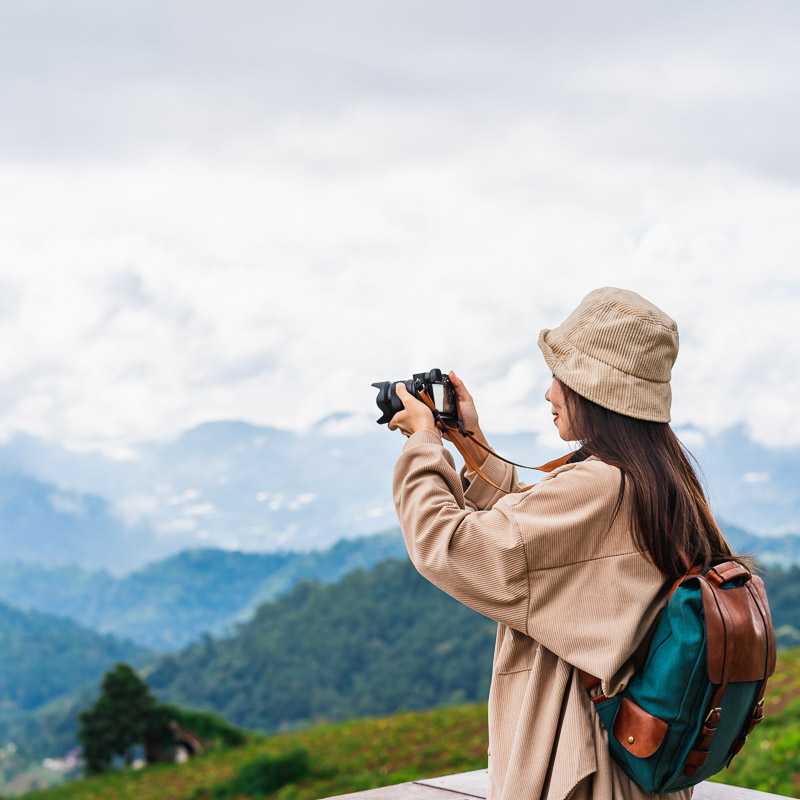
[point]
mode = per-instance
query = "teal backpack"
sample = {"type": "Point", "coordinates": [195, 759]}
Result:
{"type": "Point", "coordinates": [688, 709]}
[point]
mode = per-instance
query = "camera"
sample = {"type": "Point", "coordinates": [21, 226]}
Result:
{"type": "Point", "coordinates": [435, 384]}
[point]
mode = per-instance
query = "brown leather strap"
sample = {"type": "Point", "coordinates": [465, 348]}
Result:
{"type": "Point", "coordinates": [694, 570]}
{"type": "Point", "coordinates": [745, 611]}
{"type": "Point", "coordinates": [757, 714]}
{"type": "Point", "coordinates": [697, 755]}
{"type": "Point", "coordinates": [589, 682]}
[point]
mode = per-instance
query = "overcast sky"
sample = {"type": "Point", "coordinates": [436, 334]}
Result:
{"type": "Point", "coordinates": [253, 210]}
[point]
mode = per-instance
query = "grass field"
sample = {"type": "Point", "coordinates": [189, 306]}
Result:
{"type": "Point", "coordinates": [370, 752]}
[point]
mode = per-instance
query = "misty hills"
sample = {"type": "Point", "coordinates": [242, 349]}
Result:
{"type": "Point", "coordinates": [221, 484]}
{"type": "Point", "coordinates": [171, 602]}
{"type": "Point", "coordinates": [44, 524]}
{"type": "Point", "coordinates": [237, 486]}
{"type": "Point", "coordinates": [376, 640]}
{"type": "Point", "coordinates": [770, 550]}
{"type": "Point", "coordinates": [348, 648]}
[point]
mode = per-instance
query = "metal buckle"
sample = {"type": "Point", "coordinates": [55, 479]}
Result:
{"type": "Point", "coordinates": [718, 709]}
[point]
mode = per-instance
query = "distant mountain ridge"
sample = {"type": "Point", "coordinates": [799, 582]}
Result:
{"type": "Point", "coordinates": [376, 640]}
{"type": "Point", "coordinates": [238, 486]}
{"type": "Point", "coordinates": [171, 602]}
{"type": "Point", "coordinates": [770, 550]}
{"type": "Point", "coordinates": [42, 523]}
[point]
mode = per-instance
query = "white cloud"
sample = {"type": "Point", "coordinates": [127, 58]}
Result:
{"type": "Point", "coordinates": [67, 504]}
{"type": "Point", "coordinates": [300, 500]}
{"type": "Point", "coordinates": [180, 525]}
{"type": "Point", "coordinates": [134, 508]}
{"type": "Point", "coordinates": [199, 510]}
{"type": "Point", "coordinates": [186, 496]}
{"type": "Point", "coordinates": [755, 477]}
{"type": "Point", "coordinates": [274, 228]}
{"type": "Point", "coordinates": [378, 511]}
{"type": "Point", "coordinates": [351, 424]}
{"type": "Point", "coordinates": [691, 438]}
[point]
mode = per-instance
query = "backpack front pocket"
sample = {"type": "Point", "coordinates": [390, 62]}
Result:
{"type": "Point", "coordinates": [638, 731]}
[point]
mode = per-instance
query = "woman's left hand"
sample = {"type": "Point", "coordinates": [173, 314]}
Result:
{"type": "Point", "coordinates": [415, 416]}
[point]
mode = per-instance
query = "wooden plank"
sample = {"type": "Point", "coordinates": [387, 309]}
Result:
{"type": "Point", "coordinates": [707, 790]}
{"type": "Point", "coordinates": [404, 791]}
{"type": "Point", "coordinates": [472, 785]}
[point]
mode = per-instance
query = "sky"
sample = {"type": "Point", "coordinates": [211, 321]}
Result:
{"type": "Point", "coordinates": [253, 210]}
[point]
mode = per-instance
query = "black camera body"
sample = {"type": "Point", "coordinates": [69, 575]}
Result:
{"type": "Point", "coordinates": [435, 384]}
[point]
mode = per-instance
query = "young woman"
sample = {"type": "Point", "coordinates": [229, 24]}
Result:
{"type": "Point", "coordinates": [574, 568]}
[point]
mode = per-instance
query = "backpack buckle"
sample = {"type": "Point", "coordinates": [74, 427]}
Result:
{"type": "Point", "coordinates": [716, 710]}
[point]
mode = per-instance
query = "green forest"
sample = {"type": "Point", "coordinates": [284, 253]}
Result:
{"type": "Point", "coordinates": [363, 645]}
{"type": "Point", "coordinates": [378, 641]}
{"type": "Point", "coordinates": [330, 759]}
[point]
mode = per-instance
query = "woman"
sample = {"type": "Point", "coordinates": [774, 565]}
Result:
{"type": "Point", "coordinates": [574, 568]}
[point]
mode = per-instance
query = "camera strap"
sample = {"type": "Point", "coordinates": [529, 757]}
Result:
{"type": "Point", "coordinates": [464, 439]}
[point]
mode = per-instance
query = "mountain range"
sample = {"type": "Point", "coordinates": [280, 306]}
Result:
{"type": "Point", "coordinates": [237, 486]}
{"type": "Point", "coordinates": [374, 641]}
{"type": "Point", "coordinates": [171, 602]}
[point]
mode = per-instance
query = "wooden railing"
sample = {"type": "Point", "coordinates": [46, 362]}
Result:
{"type": "Point", "coordinates": [471, 785]}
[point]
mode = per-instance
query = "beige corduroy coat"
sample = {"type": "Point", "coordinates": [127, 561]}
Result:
{"type": "Point", "coordinates": [566, 591]}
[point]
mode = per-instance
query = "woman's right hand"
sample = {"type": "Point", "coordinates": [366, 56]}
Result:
{"type": "Point", "coordinates": [465, 403]}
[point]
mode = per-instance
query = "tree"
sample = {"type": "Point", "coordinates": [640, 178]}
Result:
{"type": "Point", "coordinates": [121, 718]}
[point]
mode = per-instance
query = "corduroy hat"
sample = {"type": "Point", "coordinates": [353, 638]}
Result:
{"type": "Point", "coordinates": [616, 349]}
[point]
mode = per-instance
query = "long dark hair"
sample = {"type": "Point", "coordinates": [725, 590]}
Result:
{"type": "Point", "coordinates": [670, 512]}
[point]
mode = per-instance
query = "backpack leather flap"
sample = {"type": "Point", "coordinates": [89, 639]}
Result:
{"type": "Point", "coordinates": [639, 732]}
{"type": "Point", "coordinates": [728, 570]}
{"type": "Point", "coordinates": [739, 632]}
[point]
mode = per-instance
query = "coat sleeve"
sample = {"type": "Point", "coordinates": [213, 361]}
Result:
{"type": "Point", "coordinates": [476, 556]}
{"type": "Point", "coordinates": [480, 495]}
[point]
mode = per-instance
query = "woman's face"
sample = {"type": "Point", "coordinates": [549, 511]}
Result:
{"type": "Point", "coordinates": [555, 396]}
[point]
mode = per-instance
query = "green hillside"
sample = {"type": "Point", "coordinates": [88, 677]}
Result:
{"type": "Point", "coordinates": [32, 643]}
{"type": "Point", "coordinates": [363, 644]}
{"type": "Point", "coordinates": [360, 646]}
{"type": "Point", "coordinates": [171, 602]}
{"type": "Point", "coordinates": [365, 753]}
{"type": "Point", "coordinates": [322, 651]}
{"type": "Point", "coordinates": [783, 591]}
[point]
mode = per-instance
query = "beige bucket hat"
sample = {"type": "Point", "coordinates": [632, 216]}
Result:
{"type": "Point", "coordinates": [616, 349]}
